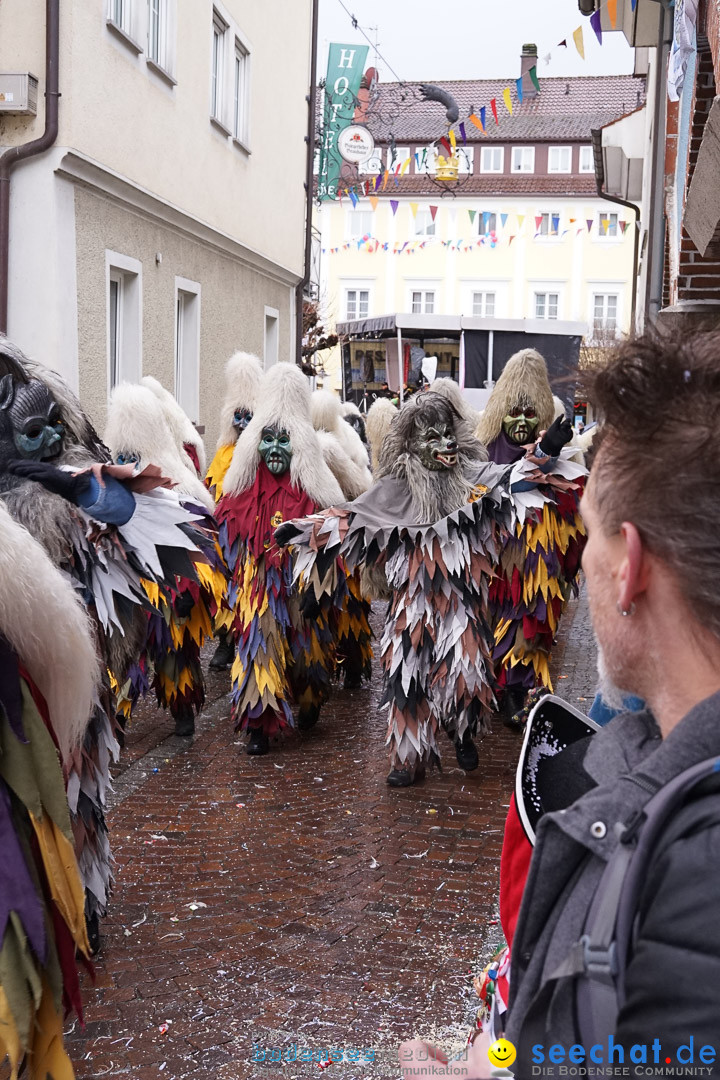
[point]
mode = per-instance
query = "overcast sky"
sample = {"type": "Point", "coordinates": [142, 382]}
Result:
{"type": "Point", "coordinates": [470, 39]}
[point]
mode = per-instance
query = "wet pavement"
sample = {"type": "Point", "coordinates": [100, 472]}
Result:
{"type": "Point", "coordinates": [295, 900]}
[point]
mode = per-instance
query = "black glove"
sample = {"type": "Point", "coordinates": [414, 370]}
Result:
{"type": "Point", "coordinates": [309, 606]}
{"type": "Point", "coordinates": [184, 603]}
{"type": "Point", "coordinates": [70, 486]}
{"type": "Point", "coordinates": [286, 533]}
{"type": "Point", "coordinates": [557, 435]}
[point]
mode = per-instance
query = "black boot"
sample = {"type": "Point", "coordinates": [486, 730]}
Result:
{"type": "Point", "coordinates": [405, 777]}
{"type": "Point", "coordinates": [92, 924]}
{"type": "Point", "coordinates": [185, 722]}
{"type": "Point", "coordinates": [513, 703]}
{"type": "Point", "coordinates": [308, 717]}
{"type": "Point", "coordinates": [466, 752]}
{"type": "Point", "coordinates": [258, 743]}
{"type": "Point", "coordinates": [222, 658]}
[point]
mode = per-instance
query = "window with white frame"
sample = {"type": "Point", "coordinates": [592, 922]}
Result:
{"type": "Point", "coordinates": [372, 165]}
{"type": "Point", "coordinates": [424, 223]}
{"type": "Point", "coordinates": [523, 159]}
{"type": "Point", "coordinates": [119, 13]}
{"type": "Point", "coordinates": [160, 49]}
{"type": "Point", "coordinates": [425, 159]}
{"type": "Point", "coordinates": [217, 96]}
{"type": "Point", "coordinates": [397, 156]}
{"type": "Point", "coordinates": [486, 222]}
{"type": "Point", "coordinates": [360, 223]}
{"type": "Point", "coordinates": [492, 159]}
{"type": "Point", "coordinates": [124, 318]}
{"type": "Point", "coordinates": [546, 305]}
{"type": "Point", "coordinates": [483, 304]}
{"type": "Point", "coordinates": [422, 302]}
{"type": "Point", "coordinates": [560, 159]}
{"type": "Point", "coordinates": [357, 304]}
{"type": "Point", "coordinates": [187, 346]}
{"type": "Point", "coordinates": [272, 336]}
{"type": "Point", "coordinates": [607, 225]}
{"type": "Point", "coordinates": [549, 224]}
{"type": "Point", "coordinates": [466, 159]}
{"type": "Point", "coordinates": [241, 92]}
{"type": "Point", "coordinates": [587, 160]}
{"type": "Point", "coordinates": [605, 311]}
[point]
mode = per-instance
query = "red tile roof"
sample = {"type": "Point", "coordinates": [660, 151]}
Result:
{"type": "Point", "coordinates": [501, 184]}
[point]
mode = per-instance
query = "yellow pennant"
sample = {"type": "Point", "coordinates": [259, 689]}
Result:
{"type": "Point", "coordinates": [507, 99]}
{"type": "Point", "coordinates": [405, 166]}
{"type": "Point", "coordinates": [453, 141]}
{"type": "Point", "coordinates": [578, 39]}
{"type": "Point", "coordinates": [414, 208]}
{"type": "Point", "coordinates": [374, 201]}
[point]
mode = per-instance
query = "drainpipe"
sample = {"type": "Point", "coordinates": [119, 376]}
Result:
{"type": "Point", "coordinates": [656, 262]}
{"type": "Point", "coordinates": [310, 157]}
{"type": "Point", "coordinates": [596, 134]}
{"type": "Point", "coordinates": [14, 154]}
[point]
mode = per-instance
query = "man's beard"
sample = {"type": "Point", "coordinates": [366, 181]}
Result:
{"type": "Point", "coordinates": [610, 692]}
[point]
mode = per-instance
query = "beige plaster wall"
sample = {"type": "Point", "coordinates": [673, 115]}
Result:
{"type": "Point", "coordinates": [233, 303]}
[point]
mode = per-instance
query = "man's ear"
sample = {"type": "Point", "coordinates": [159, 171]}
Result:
{"type": "Point", "coordinates": [634, 571]}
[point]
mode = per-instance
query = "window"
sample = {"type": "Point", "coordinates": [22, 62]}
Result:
{"type": "Point", "coordinates": [425, 159]}
{"type": "Point", "coordinates": [546, 305]}
{"type": "Point", "coordinates": [397, 156]}
{"type": "Point", "coordinates": [560, 159]}
{"type": "Point", "coordinates": [466, 159]}
{"type": "Point", "coordinates": [605, 311]}
{"type": "Point", "coordinates": [549, 225]}
{"type": "Point", "coordinates": [486, 222]}
{"type": "Point", "coordinates": [587, 161]}
{"type": "Point", "coordinates": [492, 159]}
{"type": "Point", "coordinates": [357, 304]}
{"type": "Point", "coordinates": [124, 318]}
{"type": "Point", "coordinates": [607, 225]}
{"type": "Point", "coordinates": [360, 223]}
{"type": "Point", "coordinates": [241, 85]}
{"type": "Point", "coordinates": [187, 346]}
{"type": "Point", "coordinates": [218, 66]}
{"type": "Point", "coordinates": [483, 304]}
{"type": "Point", "coordinates": [422, 302]}
{"type": "Point", "coordinates": [119, 14]}
{"type": "Point", "coordinates": [372, 165]}
{"type": "Point", "coordinates": [523, 159]}
{"type": "Point", "coordinates": [424, 223]}
{"type": "Point", "coordinates": [272, 336]}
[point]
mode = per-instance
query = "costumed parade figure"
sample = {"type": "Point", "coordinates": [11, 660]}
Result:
{"type": "Point", "coordinates": [107, 530]}
{"type": "Point", "coordinates": [356, 420]}
{"type": "Point", "coordinates": [137, 433]}
{"type": "Point", "coordinates": [540, 561]}
{"type": "Point", "coordinates": [48, 674]}
{"type": "Point", "coordinates": [380, 416]}
{"type": "Point", "coordinates": [188, 441]}
{"type": "Point", "coordinates": [432, 526]}
{"type": "Point", "coordinates": [243, 375]}
{"type": "Point", "coordinates": [283, 656]}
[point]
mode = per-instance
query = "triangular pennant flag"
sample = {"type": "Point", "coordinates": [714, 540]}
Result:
{"type": "Point", "coordinates": [385, 179]}
{"type": "Point", "coordinates": [507, 99]}
{"type": "Point", "coordinates": [476, 121]}
{"type": "Point", "coordinates": [394, 205]}
{"type": "Point", "coordinates": [446, 146]}
{"type": "Point", "coordinates": [485, 220]}
{"type": "Point", "coordinates": [605, 222]}
{"type": "Point", "coordinates": [414, 209]}
{"type": "Point", "coordinates": [374, 201]}
{"type": "Point", "coordinates": [572, 220]}
{"type": "Point", "coordinates": [353, 198]}
{"type": "Point", "coordinates": [453, 140]}
{"type": "Point", "coordinates": [633, 4]}
{"type": "Point", "coordinates": [623, 226]}
{"type": "Point", "coordinates": [482, 118]}
{"type": "Point", "coordinates": [521, 218]}
{"type": "Point", "coordinates": [471, 214]}
{"type": "Point", "coordinates": [578, 231]}
{"type": "Point", "coordinates": [612, 12]}
{"type": "Point", "coordinates": [555, 222]}
{"type": "Point", "coordinates": [405, 166]}
{"type": "Point", "coordinates": [493, 106]}
{"type": "Point", "coordinates": [503, 219]}
{"type": "Point", "coordinates": [595, 23]}
{"type": "Point", "coordinates": [538, 221]}
{"type": "Point", "coordinates": [564, 233]}
{"type": "Point", "coordinates": [510, 240]}
{"type": "Point", "coordinates": [462, 133]}
{"type": "Point", "coordinates": [433, 212]}
{"type": "Point", "coordinates": [579, 43]}
{"type": "Point", "coordinates": [518, 84]}
{"type": "Point", "coordinates": [562, 44]}
{"type": "Point", "coordinates": [589, 223]}
{"type": "Point", "coordinates": [533, 75]}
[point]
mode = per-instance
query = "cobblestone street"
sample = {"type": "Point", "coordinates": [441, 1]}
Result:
{"type": "Point", "coordinates": [295, 899]}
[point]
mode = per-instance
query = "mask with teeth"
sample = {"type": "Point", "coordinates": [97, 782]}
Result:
{"type": "Point", "coordinates": [275, 449]}
{"type": "Point", "coordinates": [520, 424]}
{"type": "Point", "coordinates": [437, 447]}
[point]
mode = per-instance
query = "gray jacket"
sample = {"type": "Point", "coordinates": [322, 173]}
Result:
{"type": "Point", "coordinates": [673, 977]}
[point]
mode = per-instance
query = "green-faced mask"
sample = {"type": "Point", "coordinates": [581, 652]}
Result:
{"type": "Point", "coordinates": [275, 449]}
{"type": "Point", "coordinates": [437, 447]}
{"type": "Point", "coordinates": [520, 424]}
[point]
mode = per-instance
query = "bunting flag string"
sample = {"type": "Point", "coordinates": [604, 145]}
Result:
{"type": "Point", "coordinates": [595, 23]}
{"type": "Point", "coordinates": [612, 13]}
{"type": "Point", "coordinates": [579, 43]}
{"type": "Point", "coordinates": [507, 99]}
{"type": "Point", "coordinates": [493, 106]}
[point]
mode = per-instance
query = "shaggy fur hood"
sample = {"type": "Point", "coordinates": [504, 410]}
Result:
{"type": "Point", "coordinates": [284, 401]}
{"type": "Point", "coordinates": [44, 622]}
{"type": "Point", "coordinates": [379, 417]}
{"type": "Point", "coordinates": [137, 426]}
{"type": "Point", "coordinates": [180, 424]}
{"type": "Point", "coordinates": [524, 381]}
{"type": "Point", "coordinates": [327, 415]}
{"type": "Point", "coordinates": [450, 390]}
{"type": "Point", "coordinates": [243, 375]}
{"type": "Point", "coordinates": [353, 479]}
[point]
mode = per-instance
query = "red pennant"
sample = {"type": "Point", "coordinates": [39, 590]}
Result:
{"type": "Point", "coordinates": [434, 209]}
{"type": "Point", "coordinates": [446, 146]}
{"type": "Point", "coordinates": [493, 106]}
{"type": "Point", "coordinates": [538, 221]}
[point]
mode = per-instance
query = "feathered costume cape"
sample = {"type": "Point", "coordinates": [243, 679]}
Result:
{"type": "Point", "coordinates": [437, 643]}
{"type": "Point", "coordinates": [280, 656]}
